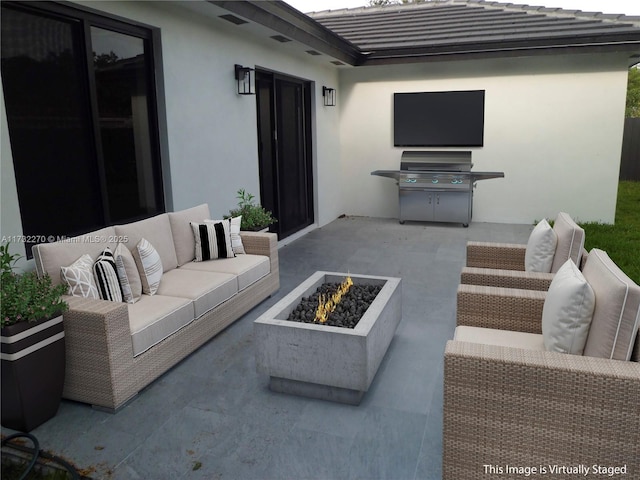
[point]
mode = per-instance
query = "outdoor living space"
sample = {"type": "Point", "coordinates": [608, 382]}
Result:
{"type": "Point", "coordinates": [141, 156]}
{"type": "Point", "coordinates": [213, 416]}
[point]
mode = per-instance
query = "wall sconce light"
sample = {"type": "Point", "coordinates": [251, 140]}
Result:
{"type": "Point", "coordinates": [329, 96]}
{"type": "Point", "coordinates": [245, 77]}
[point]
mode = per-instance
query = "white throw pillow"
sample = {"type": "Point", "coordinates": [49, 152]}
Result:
{"type": "Point", "coordinates": [567, 311]}
{"type": "Point", "coordinates": [149, 266]}
{"type": "Point", "coordinates": [541, 248]}
{"type": "Point", "coordinates": [79, 277]}
{"type": "Point", "coordinates": [234, 230]}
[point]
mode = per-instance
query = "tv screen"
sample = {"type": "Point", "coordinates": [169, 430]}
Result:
{"type": "Point", "coordinates": [438, 119]}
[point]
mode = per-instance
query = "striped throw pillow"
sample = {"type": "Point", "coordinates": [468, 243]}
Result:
{"type": "Point", "coordinates": [104, 271]}
{"type": "Point", "coordinates": [234, 229]}
{"type": "Point", "coordinates": [127, 274]}
{"type": "Point", "coordinates": [149, 266]}
{"type": "Point", "coordinates": [213, 240]}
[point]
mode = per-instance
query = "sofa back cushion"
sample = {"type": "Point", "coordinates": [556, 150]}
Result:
{"type": "Point", "coordinates": [49, 257]}
{"type": "Point", "coordinates": [616, 316]}
{"type": "Point", "coordinates": [182, 233]}
{"type": "Point", "coordinates": [570, 242]}
{"type": "Point", "coordinates": [157, 231]}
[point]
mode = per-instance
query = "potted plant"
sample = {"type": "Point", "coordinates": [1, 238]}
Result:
{"type": "Point", "coordinates": [254, 217]}
{"type": "Point", "coordinates": [33, 349]}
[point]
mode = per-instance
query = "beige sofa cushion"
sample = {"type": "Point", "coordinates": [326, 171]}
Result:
{"type": "Point", "coordinates": [501, 338]}
{"type": "Point", "coordinates": [156, 317]}
{"type": "Point", "coordinates": [541, 247]}
{"type": "Point", "coordinates": [49, 257]}
{"type": "Point", "coordinates": [570, 241]}
{"type": "Point", "coordinates": [567, 311]}
{"type": "Point", "coordinates": [157, 231]}
{"type": "Point", "coordinates": [182, 233]}
{"type": "Point", "coordinates": [206, 289]}
{"type": "Point", "coordinates": [616, 316]}
{"type": "Point", "coordinates": [249, 268]}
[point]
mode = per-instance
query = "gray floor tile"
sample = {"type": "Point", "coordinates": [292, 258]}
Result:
{"type": "Point", "coordinates": [213, 416]}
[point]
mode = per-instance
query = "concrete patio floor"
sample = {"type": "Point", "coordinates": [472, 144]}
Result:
{"type": "Point", "coordinates": [213, 416]}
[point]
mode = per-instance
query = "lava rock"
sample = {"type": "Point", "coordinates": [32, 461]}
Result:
{"type": "Point", "coordinates": [348, 312]}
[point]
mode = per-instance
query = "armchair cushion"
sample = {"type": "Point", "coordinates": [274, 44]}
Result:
{"type": "Point", "coordinates": [541, 247]}
{"type": "Point", "coordinates": [616, 317]}
{"type": "Point", "coordinates": [500, 338]}
{"type": "Point", "coordinates": [567, 311]}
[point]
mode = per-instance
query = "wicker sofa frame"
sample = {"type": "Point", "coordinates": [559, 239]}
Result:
{"type": "Point", "coordinates": [101, 369]}
{"type": "Point", "coordinates": [510, 406]}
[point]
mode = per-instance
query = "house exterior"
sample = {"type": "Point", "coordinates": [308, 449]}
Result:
{"type": "Point", "coordinates": [554, 82]}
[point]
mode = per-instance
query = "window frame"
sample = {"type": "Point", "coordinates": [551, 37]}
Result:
{"type": "Point", "coordinates": [151, 36]}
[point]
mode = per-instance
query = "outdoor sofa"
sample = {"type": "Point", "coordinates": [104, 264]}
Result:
{"type": "Point", "coordinates": [512, 406]}
{"type": "Point", "coordinates": [115, 349]}
{"type": "Point", "coordinates": [503, 264]}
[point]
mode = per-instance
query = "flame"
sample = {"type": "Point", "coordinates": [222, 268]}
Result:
{"type": "Point", "coordinates": [326, 306]}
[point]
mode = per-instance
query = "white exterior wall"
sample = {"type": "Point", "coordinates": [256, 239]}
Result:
{"type": "Point", "coordinates": [212, 131]}
{"type": "Point", "coordinates": [553, 125]}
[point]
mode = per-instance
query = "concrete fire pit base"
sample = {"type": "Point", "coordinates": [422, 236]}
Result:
{"type": "Point", "coordinates": [319, 361]}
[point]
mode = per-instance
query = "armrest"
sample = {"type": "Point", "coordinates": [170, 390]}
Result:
{"type": "Point", "coordinates": [506, 278]}
{"type": "Point", "coordinates": [500, 308]}
{"type": "Point", "coordinates": [507, 406]}
{"type": "Point", "coordinates": [506, 256]}
{"type": "Point", "coordinates": [99, 352]}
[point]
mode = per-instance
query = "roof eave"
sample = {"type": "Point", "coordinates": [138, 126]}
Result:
{"type": "Point", "coordinates": [493, 50]}
{"type": "Point", "coordinates": [286, 20]}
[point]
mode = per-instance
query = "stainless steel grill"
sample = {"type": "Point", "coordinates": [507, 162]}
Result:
{"type": "Point", "coordinates": [436, 186]}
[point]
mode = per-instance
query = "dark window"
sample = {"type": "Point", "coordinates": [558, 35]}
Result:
{"type": "Point", "coordinates": [82, 119]}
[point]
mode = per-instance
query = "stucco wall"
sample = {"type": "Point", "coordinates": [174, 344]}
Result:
{"type": "Point", "coordinates": [552, 124]}
{"type": "Point", "coordinates": [212, 131]}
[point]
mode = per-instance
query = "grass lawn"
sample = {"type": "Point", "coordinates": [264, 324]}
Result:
{"type": "Point", "coordinates": [621, 240]}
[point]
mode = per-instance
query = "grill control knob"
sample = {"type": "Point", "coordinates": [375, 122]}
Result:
{"type": "Point", "coordinates": [434, 180]}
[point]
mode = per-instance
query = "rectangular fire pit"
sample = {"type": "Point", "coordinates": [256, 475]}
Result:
{"type": "Point", "coordinates": [320, 361]}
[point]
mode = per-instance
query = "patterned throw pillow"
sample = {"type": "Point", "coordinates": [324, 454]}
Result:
{"type": "Point", "coordinates": [128, 274]}
{"type": "Point", "coordinates": [79, 277]}
{"type": "Point", "coordinates": [234, 229]}
{"type": "Point", "coordinates": [149, 266]}
{"type": "Point", "coordinates": [104, 271]}
{"type": "Point", "coordinates": [213, 240]}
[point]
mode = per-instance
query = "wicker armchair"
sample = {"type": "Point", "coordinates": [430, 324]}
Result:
{"type": "Point", "coordinates": [510, 406]}
{"type": "Point", "coordinates": [502, 264]}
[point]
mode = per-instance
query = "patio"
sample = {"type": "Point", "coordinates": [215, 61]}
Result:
{"type": "Point", "coordinates": [213, 416]}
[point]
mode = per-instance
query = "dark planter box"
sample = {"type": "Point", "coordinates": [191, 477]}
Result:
{"type": "Point", "coordinates": [33, 367]}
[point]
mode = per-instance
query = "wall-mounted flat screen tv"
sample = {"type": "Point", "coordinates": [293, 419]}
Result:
{"type": "Point", "coordinates": [438, 119]}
